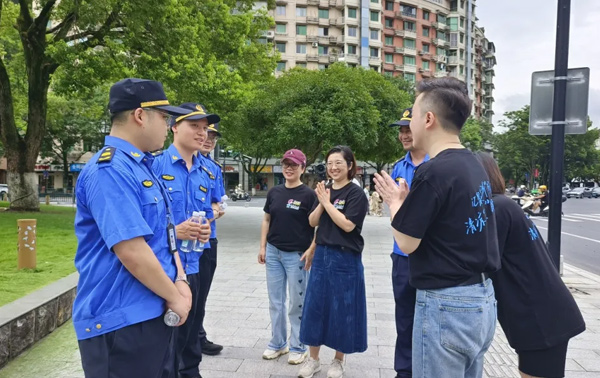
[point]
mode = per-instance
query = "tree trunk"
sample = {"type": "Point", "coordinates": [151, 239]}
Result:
{"type": "Point", "coordinates": [23, 191]}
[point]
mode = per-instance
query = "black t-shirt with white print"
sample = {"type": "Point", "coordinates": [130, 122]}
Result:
{"type": "Point", "coordinates": [352, 202]}
{"type": "Point", "coordinates": [450, 208]}
{"type": "Point", "coordinates": [289, 209]}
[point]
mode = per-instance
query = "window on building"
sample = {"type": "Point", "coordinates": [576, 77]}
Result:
{"type": "Point", "coordinates": [351, 50]}
{"type": "Point", "coordinates": [462, 22]}
{"type": "Point", "coordinates": [410, 43]}
{"type": "Point", "coordinates": [352, 31]}
{"type": "Point", "coordinates": [374, 16]}
{"type": "Point", "coordinates": [410, 60]}
{"type": "Point", "coordinates": [410, 77]}
{"type": "Point", "coordinates": [462, 54]}
{"type": "Point", "coordinates": [374, 34]}
{"type": "Point", "coordinates": [280, 47]}
{"type": "Point", "coordinates": [300, 12]}
{"type": "Point", "coordinates": [300, 49]}
{"type": "Point", "coordinates": [452, 53]}
{"type": "Point", "coordinates": [440, 51]}
{"type": "Point", "coordinates": [408, 11]}
{"type": "Point", "coordinates": [453, 22]}
{"type": "Point", "coordinates": [280, 66]}
{"type": "Point", "coordinates": [389, 5]}
{"type": "Point", "coordinates": [441, 67]}
{"type": "Point", "coordinates": [375, 68]}
{"type": "Point", "coordinates": [441, 18]}
{"type": "Point", "coordinates": [461, 69]}
{"type": "Point", "coordinates": [300, 29]}
{"type": "Point", "coordinates": [411, 26]}
{"type": "Point", "coordinates": [453, 6]}
{"type": "Point", "coordinates": [441, 35]}
{"type": "Point", "coordinates": [426, 65]}
{"type": "Point", "coordinates": [462, 38]}
{"type": "Point", "coordinates": [322, 66]}
{"type": "Point", "coordinates": [425, 48]}
{"type": "Point", "coordinates": [280, 10]}
{"type": "Point", "coordinates": [351, 12]}
{"type": "Point", "coordinates": [425, 32]}
{"type": "Point", "coordinates": [425, 15]}
{"type": "Point", "coordinates": [323, 50]}
{"type": "Point", "coordinates": [388, 73]}
{"type": "Point", "coordinates": [389, 22]}
{"type": "Point", "coordinates": [389, 41]}
{"type": "Point", "coordinates": [323, 13]}
{"type": "Point", "coordinates": [375, 1]}
{"type": "Point", "coordinates": [453, 39]}
{"type": "Point", "coordinates": [323, 32]}
{"type": "Point", "coordinates": [389, 58]}
{"type": "Point", "coordinates": [281, 29]}
{"type": "Point", "coordinates": [374, 53]}
{"type": "Point", "coordinates": [301, 65]}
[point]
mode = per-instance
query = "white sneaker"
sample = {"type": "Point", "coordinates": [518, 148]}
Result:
{"type": "Point", "coordinates": [336, 370]}
{"type": "Point", "coordinates": [296, 358]}
{"type": "Point", "coordinates": [270, 354]}
{"type": "Point", "coordinates": [310, 368]}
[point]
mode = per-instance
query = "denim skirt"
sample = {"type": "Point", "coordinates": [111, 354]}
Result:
{"type": "Point", "coordinates": [335, 307]}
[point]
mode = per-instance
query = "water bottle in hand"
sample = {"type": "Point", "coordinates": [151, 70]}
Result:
{"type": "Point", "coordinates": [171, 318]}
{"type": "Point", "coordinates": [188, 245]}
{"type": "Point", "coordinates": [198, 245]}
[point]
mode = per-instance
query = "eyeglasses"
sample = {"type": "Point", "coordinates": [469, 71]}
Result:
{"type": "Point", "coordinates": [290, 166]}
{"type": "Point", "coordinates": [167, 117]}
{"type": "Point", "coordinates": [337, 164]}
{"type": "Point", "coordinates": [212, 138]}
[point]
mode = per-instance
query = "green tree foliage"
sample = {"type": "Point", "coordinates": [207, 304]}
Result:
{"type": "Point", "coordinates": [476, 135]}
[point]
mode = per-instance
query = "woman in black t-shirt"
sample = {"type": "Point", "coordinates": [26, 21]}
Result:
{"type": "Point", "coordinates": [536, 310]}
{"type": "Point", "coordinates": [285, 236]}
{"type": "Point", "coordinates": [335, 308]}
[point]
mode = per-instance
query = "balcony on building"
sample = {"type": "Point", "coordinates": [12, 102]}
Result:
{"type": "Point", "coordinates": [425, 55]}
{"type": "Point", "coordinates": [336, 4]}
{"type": "Point", "coordinates": [424, 72]}
{"type": "Point", "coordinates": [407, 34]}
{"type": "Point", "coordinates": [399, 50]}
{"type": "Point", "coordinates": [312, 58]}
{"type": "Point", "coordinates": [440, 58]}
{"type": "Point", "coordinates": [375, 6]}
{"type": "Point", "coordinates": [388, 66]}
{"type": "Point", "coordinates": [440, 42]}
{"type": "Point", "coordinates": [313, 2]}
{"type": "Point", "coordinates": [324, 58]}
{"type": "Point", "coordinates": [323, 40]}
{"type": "Point", "coordinates": [388, 49]}
{"type": "Point", "coordinates": [410, 51]}
{"type": "Point", "coordinates": [405, 15]}
{"type": "Point", "coordinates": [350, 21]}
{"type": "Point", "coordinates": [374, 61]}
{"type": "Point", "coordinates": [323, 22]}
{"type": "Point", "coordinates": [375, 25]}
{"type": "Point", "coordinates": [313, 20]}
{"type": "Point", "coordinates": [388, 31]}
{"type": "Point", "coordinates": [301, 38]}
{"type": "Point", "coordinates": [440, 73]}
{"type": "Point", "coordinates": [351, 58]}
{"type": "Point", "coordinates": [339, 40]}
{"type": "Point", "coordinates": [312, 38]}
{"type": "Point", "coordinates": [453, 60]}
{"type": "Point", "coordinates": [352, 3]}
{"type": "Point", "coordinates": [336, 21]}
{"type": "Point", "coordinates": [440, 26]}
{"type": "Point", "coordinates": [407, 68]}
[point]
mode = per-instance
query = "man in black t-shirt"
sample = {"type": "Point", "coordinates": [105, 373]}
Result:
{"type": "Point", "coordinates": [446, 225]}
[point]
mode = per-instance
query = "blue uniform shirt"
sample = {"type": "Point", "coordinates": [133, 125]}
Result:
{"type": "Point", "coordinates": [190, 191]}
{"type": "Point", "coordinates": [217, 187]}
{"type": "Point", "coordinates": [404, 168]}
{"type": "Point", "coordinates": [118, 199]}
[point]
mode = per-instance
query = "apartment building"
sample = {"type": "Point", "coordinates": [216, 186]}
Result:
{"type": "Point", "coordinates": [415, 39]}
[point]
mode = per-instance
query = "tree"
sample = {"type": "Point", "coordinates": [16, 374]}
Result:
{"type": "Point", "coordinates": [201, 49]}
{"type": "Point", "coordinates": [476, 134]}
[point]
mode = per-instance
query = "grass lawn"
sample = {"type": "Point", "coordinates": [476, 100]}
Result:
{"type": "Point", "coordinates": [56, 245]}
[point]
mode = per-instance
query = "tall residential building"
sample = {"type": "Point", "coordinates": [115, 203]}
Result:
{"type": "Point", "coordinates": [415, 39]}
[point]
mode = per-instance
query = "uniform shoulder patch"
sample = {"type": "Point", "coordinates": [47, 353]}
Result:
{"type": "Point", "coordinates": [106, 155]}
{"type": "Point", "coordinates": [203, 189]}
{"type": "Point", "coordinates": [168, 177]}
{"type": "Point", "coordinates": [147, 183]}
{"type": "Point", "coordinates": [210, 174]}
{"type": "Point", "coordinates": [398, 161]}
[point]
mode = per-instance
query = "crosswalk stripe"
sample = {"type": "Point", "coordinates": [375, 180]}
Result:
{"type": "Point", "coordinates": [565, 218]}
{"type": "Point", "coordinates": [589, 215]}
{"type": "Point", "coordinates": [584, 218]}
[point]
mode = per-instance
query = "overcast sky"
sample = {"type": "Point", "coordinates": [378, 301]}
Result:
{"type": "Point", "coordinates": [524, 33]}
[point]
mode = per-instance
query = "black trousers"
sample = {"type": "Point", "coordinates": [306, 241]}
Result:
{"type": "Point", "coordinates": [143, 350]}
{"type": "Point", "coordinates": [208, 265]}
{"type": "Point", "coordinates": [405, 297]}
{"type": "Point", "coordinates": [188, 350]}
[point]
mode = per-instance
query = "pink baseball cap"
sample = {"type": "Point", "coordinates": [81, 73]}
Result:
{"type": "Point", "coordinates": [296, 156]}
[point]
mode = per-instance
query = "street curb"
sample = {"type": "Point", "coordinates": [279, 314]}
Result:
{"type": "Point", "coordinates": [582, 272]}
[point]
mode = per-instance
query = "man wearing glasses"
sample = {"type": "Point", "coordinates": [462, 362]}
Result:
{"type": "Point", "coordinates": [129, 268]}
{"type": "Point", "coordinates": [208, 260]}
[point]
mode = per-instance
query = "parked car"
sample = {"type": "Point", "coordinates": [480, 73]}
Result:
{"type": "Point", "coordinates": [3, 191]}
{"type": "Point", "coordinates": [596, 192]}
{"type": "Point", "coordinates": [579, 193]}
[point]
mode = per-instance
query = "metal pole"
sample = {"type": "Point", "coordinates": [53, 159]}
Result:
{"type": "Point", "coordinates": [561, 63]}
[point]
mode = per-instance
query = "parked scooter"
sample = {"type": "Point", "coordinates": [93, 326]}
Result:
{"type": "Point", "coordinates": [239, 194]}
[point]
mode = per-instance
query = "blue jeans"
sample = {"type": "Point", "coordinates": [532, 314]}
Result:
{"type": "Point", "coordinates": [453, 329]}
{"type": "Point", "coordinates": [284, 269]}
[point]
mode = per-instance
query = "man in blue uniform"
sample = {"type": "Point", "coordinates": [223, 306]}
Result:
{"type": "Point", "coordinates": [404, 294]}
{"type": "Point", "coordinates": [208, 261]}
{"type": "Point", "coordinates": [129, 268]}
{"type": "Point", "coordinates": [181, 171]}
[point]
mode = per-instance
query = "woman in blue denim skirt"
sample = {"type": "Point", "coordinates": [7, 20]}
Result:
{"type": "Point", "coordinates": [285, 236]}
{"type": "Point", "coordinates": [335, 308]}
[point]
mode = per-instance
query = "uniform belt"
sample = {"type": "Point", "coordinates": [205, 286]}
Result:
{"type": "Point", "coordinates": [478, 278]}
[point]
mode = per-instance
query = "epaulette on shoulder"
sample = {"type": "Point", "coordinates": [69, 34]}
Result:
{"type": "Point", "coordinates": [398, 161]}
{"type": "Point", "coordinates": [106, 155]}
{"type": "Point", "coordinates": [157, 153]}
{"type": "Point", "coordinates": [210, 174]}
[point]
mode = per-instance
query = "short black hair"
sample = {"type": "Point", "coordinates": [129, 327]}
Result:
{"type": "Point", "coordinates": [348, 156]}
{"type": "Point", "coordinates": [448, 98]}
{"type": "Point", "coordinates": [119, 117]}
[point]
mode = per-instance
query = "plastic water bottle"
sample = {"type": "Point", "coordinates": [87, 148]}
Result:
{"type": "Point", "coordinates": [188, 245]}
{"type": "Point", "coordinates": [171, 318]}
{"type": "Point", "coordinates": [198, 246]}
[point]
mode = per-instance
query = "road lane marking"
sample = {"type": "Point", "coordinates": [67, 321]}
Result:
{"type": "Point", "coordinates": [573, 235]}
{"type": "Point", "coordinates": [589, 216]}
{"type": "Point", "coordinates": [563, 218]}
{"type": "Point", "coordinates": [584, 217]}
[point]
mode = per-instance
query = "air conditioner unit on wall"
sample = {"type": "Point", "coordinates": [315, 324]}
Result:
{"type": "Point", "coordinates": [315, 44]}
{"type": "Point", "coordinates": [270, 34]}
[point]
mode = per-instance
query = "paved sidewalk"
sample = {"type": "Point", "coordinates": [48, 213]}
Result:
{"type": "Point", "coordinates": [238, 317]}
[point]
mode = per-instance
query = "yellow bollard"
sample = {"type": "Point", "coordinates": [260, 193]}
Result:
{"type": "Point", "coordinates": [27, 246]}
{"type": "Point", "coordinates": [47, 200]}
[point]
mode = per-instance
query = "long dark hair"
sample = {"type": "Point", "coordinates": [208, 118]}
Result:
{"type": "Point", "coordinates": [493, 172]}
{"type": "Point", "coordinates": [348, 156]}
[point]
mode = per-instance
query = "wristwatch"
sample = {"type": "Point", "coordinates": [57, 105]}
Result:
{"type": "Point", "coordinates": [182, 277]}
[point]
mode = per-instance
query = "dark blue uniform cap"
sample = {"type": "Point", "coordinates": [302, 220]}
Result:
{"type": "Point", "coordinates": [195, 112]}
{"type": "Point", "coordinates": [214, 127]}
{"type": "Point", "coordinates": [405, 120]}
{"type": "Point", "coordinates": [129, 94]}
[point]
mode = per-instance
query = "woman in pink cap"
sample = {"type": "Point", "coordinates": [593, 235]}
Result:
{"type": "Point", "coordinates": [285, 236]}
